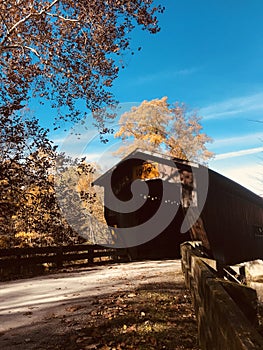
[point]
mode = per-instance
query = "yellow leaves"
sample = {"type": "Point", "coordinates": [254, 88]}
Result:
{"type": "Point", "coordinates": [4, 182]}
{"type": "Point", "coordinates": [160, 103]}
{"type": "Point", "coordinates": [5, 240]}
{"type": "Point", "coordinates": [146, 171]}
{"type": "Point", "coordinates": [26, 238]}
{"type": "Point", "coordinates": [46, 216]}
{"type": "Point", "coordinates": [23, 234]}
{"type": "Point", "coordinates": [153, 138]}
{"type": "Point", "coordinates": [157, 126]}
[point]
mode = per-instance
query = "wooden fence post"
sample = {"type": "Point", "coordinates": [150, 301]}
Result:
{"type": "Point", "coordinates": [18, 267]}
{"type": "Point", "coordinates": [59, 259]}
{"type": "Point", "coordinates": [90, 255]}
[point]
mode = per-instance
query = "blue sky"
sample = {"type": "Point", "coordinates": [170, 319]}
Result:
{"type": "Point", "coordinates": [209, 55]}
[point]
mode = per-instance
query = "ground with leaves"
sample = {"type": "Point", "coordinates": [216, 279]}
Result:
{"type": "Point", "coordinates": [156, 316]}
{"type": "Point", "coordinates": [152, 314]}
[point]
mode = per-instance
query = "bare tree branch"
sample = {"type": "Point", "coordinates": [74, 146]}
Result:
{"type": "Point", "coordinates": [22, 47]}
{"type": "Point", "coordinates": [61, 17]}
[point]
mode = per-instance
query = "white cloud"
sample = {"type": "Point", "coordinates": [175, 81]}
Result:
{"type": "Point", "coordinates": [248, 140]}
{"type": "Point", "coordinates": [164, 75]}
{"type": "Point", "coordinates": [239, 153]}
{"type": "Point", "coordinates": [233, 106]}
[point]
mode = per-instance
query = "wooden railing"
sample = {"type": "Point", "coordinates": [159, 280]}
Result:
{"type": "Point", "coordinates": [15, 262]}
{"type": "Point", "coordinates": [226, 312]}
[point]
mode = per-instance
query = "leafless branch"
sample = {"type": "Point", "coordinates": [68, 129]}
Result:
{"type": "Point", "coordinates": [33, 50]}
{"type": "Point", "coordinates": [61, 17]}
{"type": "Point", "coordinates": [22, 47]}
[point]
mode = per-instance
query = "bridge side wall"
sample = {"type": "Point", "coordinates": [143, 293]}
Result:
{"type": "Point", "coordinates": [226, 312]}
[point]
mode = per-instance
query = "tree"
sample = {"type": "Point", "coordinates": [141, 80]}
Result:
{"type": "Point", "coordinates": [157, 126]}
{"type": "Point", "coordinates": [20, 167]}
{"type": "Point", "coordinates": [82, 204]}
{"type": "Point", "coordinates": [65, 50]}
{"type": "Point", "coordinates": [29, 212]}
{"type": "Point", "coordinates": [61, 51]}
{"type": "Point", "coordinates": [92, 202]}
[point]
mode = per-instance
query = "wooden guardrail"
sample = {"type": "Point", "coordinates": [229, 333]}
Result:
{"type": "Point", "coordinates": [16, 262]}
{"type": "Point", "coordinates": [226, 312]}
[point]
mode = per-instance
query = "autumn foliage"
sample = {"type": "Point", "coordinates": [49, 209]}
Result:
{"type": "Point", "coordinates": [29, 211]}
{"type": "Point", "coordinates": [157, 126]}
{"type": "Point", "coordinates": [65, 51]}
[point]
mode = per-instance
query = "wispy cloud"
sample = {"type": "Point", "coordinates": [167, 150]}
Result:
{"type": "Point", "coordinates": [164, 75]}
{"type": "Point", "coordinates": [252, 139]}
{"type": "Point", "coordinates": [239, 153]}
{"type": "Point", "coordinates": [233, 106]}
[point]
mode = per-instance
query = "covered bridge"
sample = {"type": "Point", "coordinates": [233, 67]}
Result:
{"type": "Point", "coordinates": [173, 200]}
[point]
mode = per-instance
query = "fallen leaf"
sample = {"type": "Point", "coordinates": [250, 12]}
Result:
{"type": "Point", "coordinates": [27, 313]}
{"type": "Point", "coordinates": [131, 295]}
{"type": "Point", "coordinates": [73, 308]}
{"type": "Point", "coordinates": [91, 347]}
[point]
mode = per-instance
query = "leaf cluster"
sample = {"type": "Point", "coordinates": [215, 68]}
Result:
{"type": "Point", "coordinates": [66, 51]}
{"type": "Point", "coordinates": [157, 126]}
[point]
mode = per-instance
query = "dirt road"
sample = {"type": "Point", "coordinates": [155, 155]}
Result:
{"type": "Point", "coordinates": [41, 312]}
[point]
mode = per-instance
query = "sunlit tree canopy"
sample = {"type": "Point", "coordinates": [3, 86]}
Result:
{"type": "Point", "coordinates": [157, 126]}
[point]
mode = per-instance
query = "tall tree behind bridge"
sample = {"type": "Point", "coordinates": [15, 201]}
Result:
{"type": "Point", "coordinates": [157, 126]}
